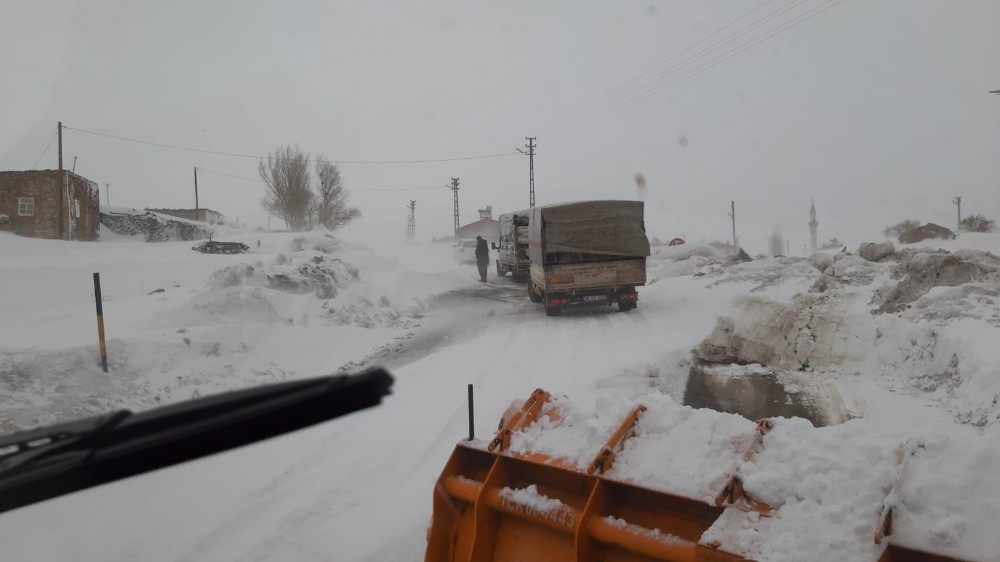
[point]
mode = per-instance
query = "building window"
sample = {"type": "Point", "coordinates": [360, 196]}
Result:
{"type": "Point", "coordinates": [26, 206]}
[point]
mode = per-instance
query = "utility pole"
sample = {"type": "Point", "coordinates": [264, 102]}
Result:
{"type": "Point", "coordinates": [411, 226]}
{"type": "Point", "coordinates": [958, 201]}
{"type": "Point", "coordinates": [454, 187]}
{"type": "Point", "coordinates": [60, 146]}
{"type": "Point", "coordinates": [107, 193]}
{"type": "Point", "coordinates": [732, 215]}
{"type": "Point", "coordinates": [531, 168]}
{"type": "Point", "coordinates": [65, 178]}
{"type": "Point", "coordinates": [196, 190]}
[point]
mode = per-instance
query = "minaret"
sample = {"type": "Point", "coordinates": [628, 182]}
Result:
{"type": "Point", "coordinates": [813, 224]}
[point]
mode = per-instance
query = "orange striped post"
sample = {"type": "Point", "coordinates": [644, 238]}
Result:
{"type": "Point", "coordinates": [100, 321]}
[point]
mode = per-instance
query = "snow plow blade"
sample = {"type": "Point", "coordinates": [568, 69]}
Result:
{"type": "Point", "coordinates": [478, 517]}
{"type": "Point", "coordinates": [493, 506]}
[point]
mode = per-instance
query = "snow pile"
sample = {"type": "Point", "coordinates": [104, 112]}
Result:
{"type": "Point", "coordinates": [299, 287]}
{"type": "Point", "coordinates": [833, 481]}
{"type": "Point", "coordinates": [924, 270]}
{"type": "Point", "coordinates": [937, 348]}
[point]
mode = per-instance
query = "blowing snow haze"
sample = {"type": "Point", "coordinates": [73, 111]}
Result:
{"type": "Point", "coordinates": [878, 110]}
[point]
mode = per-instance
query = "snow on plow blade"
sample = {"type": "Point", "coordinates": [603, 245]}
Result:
{"type": "Point", "coordinates": [493, 504]}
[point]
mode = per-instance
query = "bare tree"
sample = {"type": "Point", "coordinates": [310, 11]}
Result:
{"type": "Point", "coordinates": [288, 193]}
{"type": "Point", "coordinates": [331, 208]}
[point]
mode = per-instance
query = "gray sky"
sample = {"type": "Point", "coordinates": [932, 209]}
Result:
{"type": "Point", "coordinates": [877, 108]}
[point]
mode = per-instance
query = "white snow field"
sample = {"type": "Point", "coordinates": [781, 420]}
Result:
{"type": "Point", "coordinates": [884, 357]}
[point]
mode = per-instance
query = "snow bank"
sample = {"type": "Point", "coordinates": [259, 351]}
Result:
{"type": "Point", "coordinates": [934, 348]}
{"type": "Point", "coordinates": [828, 485]}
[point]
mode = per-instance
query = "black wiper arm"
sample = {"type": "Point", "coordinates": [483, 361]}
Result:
{"type": "Point", "coordinates": [43, 463]}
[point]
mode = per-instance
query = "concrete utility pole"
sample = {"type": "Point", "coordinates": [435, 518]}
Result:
{"type": "Point", "coordinates": [411, 225]}
{"type": "Point", "coordinates": [454, 187]}
{"type": "Point", "coordinates": [60, 146]}
{"type": "Point", "coordinates": [732, 215]}
{"type": "Point", "coordinates": [196, 191]}
{"type": "Point", "coordinates": [813, 227]}
{"type": "Point", "coordinates": [531, 168]}
{"type": "Point", "coordinates": [107, 193]}
{"type": "Point", "coordinates": [958, 201]}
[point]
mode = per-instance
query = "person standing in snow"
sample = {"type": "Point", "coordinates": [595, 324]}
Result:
{"type": "Point", "coordinates": [482, 257]}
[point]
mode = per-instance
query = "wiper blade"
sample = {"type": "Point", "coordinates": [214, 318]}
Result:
{"type": "Point", "coordinates": [43, 463]}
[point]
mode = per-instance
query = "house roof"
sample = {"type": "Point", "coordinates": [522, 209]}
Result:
{"type": "Point", "coordinates": [478, 227]}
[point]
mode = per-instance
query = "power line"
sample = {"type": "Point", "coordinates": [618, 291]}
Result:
{"type": "Point", "coordinates": [745, 46]}
{"type": "Point", "coordinates": [258, 180]}
{"type": "Point", "coordinates": [751, 26]}
{"type": "Point", "coordinates": [46, 151]}
{"type": "Point", "coordinates": [257, 157]}
{"type": "Point", "coordinates": [613, 92]}
{"type": "Point", "coordinates": [641, 89]}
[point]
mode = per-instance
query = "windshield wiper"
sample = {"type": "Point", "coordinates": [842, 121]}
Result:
{"type": "Point", "coordinates": [43, 463]}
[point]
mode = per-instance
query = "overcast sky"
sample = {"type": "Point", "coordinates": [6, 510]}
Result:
{"type": "Point", "coordinates": [878, 109]}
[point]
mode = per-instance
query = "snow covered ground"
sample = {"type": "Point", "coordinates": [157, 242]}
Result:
{"type": "Point", "coordinates": [877, 353]}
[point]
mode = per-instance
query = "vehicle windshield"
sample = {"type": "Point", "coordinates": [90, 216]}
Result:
{"type": "Point", "coordinates": [780, 209]}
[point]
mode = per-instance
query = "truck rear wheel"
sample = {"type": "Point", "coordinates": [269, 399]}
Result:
{"type": "Point", "coordinates": [533, 296]}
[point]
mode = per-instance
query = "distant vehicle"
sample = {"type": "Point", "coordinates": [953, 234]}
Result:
{"type": "Point", "coordinates": [465, 251]}
{"type": "Point", "coordinates": [587, 253]}
{"type": "Point", "coordinates": [512, 251]}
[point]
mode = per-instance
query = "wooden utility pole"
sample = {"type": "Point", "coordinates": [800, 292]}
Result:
{"type": "Point", "coordinates": [454, 187]}
{"type": "Point", "coordinates": [958, 201]}
{"type": "Point", "coordinates": [60, 146]}
{"type": "Point", "coordinates": [196, 191]}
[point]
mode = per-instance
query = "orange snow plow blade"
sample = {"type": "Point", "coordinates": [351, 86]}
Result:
{"type": "Point", "coordinates": [479, 516]}
{"type": "Point", "coordinates": [493, 506]}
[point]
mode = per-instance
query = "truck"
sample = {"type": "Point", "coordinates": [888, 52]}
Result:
{"type": "Point", "coordinates": [512, 251]}
{"type": "Point", "coordinates": [587, 253]}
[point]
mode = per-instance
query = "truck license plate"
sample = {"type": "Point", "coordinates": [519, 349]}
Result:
{"type": "Point", "coordinates": [594, 298]}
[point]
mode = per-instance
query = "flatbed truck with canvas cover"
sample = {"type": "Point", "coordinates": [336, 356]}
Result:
{"type": "Point", "coordinates": [587, 253]}
{"type": "Point", "coordinates": [512, 251]}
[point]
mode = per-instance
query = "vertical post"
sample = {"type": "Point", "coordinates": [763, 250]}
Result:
{"type": "Point", "coordinates": [472, 428]}
{"type": "Point", "coordinates": [196, 191]}
{"type": "Point", "coordinates": [531, 171]}
{"type": "Point", "coordinates": [732, 215]}
{"type": "Point", "coordinates": [958, 201]}
{"type": "Point", "coordinates": [60, 146]}
{"type": "Point", "coordinates": [100, 321]}
{"type": "Point", "coordinates": [107, 193]}
{"type": "Point", "coordinates": [454, 187]}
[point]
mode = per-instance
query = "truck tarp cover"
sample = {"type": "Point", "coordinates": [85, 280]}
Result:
{"type": "Point", "coordinates": [596, 227]}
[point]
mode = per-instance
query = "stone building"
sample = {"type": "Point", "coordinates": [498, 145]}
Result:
{"type": "Point", "coordinates": [199, 215]}
{"type": "Point", "coordinates": [55, 204]}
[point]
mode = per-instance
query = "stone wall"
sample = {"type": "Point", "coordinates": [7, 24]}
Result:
{"type": "Point", "coordinates": [153, 227]}
{"type": "Point", "coordinates": [198, 215]}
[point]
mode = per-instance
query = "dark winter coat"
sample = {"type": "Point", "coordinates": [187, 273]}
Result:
{"type": "Point", "coordinates": [482, 251]}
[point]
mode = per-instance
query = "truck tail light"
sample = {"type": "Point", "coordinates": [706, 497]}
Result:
{"type": "Point", "coordinates": [629, 297]}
